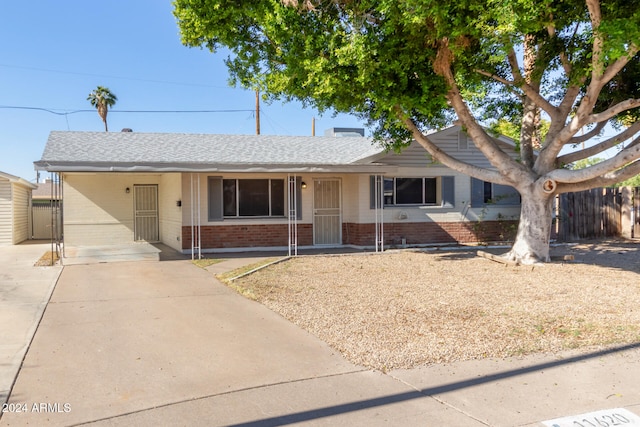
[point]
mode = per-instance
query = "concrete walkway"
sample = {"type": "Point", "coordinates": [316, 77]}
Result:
{"type": "Point", "coordinates": [24, 293]}
{"type": "Point", "coordinates": [164, 343]}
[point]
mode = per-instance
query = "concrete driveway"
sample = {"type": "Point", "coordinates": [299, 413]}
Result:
{"type": "Point", "coordinates": [164, 343]}
{"type": "Point", "coordinates": [24, 292]}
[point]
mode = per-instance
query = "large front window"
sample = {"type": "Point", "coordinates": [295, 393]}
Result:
{"type": "Point", "coordinates": [410, 191]}
{"type": "Point", "coordinates": [253, 197]}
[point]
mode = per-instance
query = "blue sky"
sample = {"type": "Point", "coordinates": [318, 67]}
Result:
{"type": "Point", "coordinates": [55, 53]}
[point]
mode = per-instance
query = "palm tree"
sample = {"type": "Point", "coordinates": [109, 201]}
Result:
{"type": "Point", "coordinates": [101, 98]}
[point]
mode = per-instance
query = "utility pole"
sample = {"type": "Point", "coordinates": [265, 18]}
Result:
{"type": "Point", "coordinates": [257, 112]}
{"type": "Point", "coordinates": [313, 126]}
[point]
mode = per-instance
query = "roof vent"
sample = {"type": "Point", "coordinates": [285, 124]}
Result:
{"type": "Point", "coordinates": [344, 132]}
{"type": "Point", "coordinates": [127, 130]}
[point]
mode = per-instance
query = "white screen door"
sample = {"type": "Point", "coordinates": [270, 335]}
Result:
{"type": "Point", "coordinates": [327, 218]}
{"type": "Point", "coordinates": [146, 213]}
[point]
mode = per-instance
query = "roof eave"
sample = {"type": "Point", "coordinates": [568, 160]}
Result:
{"type": "Point", "coordinates": [218, 168]}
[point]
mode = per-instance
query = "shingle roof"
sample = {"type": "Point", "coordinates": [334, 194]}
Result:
{"type": "Point", "coordinates": [44, 191]}
{"type": "Point", "coordinates": [16, 179]}
{"type": "Point", "coordinates": [186, 151]}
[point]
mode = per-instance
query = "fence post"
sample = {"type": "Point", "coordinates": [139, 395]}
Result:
{"type": "Point", "coordinates": [626, 222]}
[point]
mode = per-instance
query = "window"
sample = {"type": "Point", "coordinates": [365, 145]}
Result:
{"type": "Point", "coordinates": [253, 197]}
{"type": "Point", "coordinates": [235, 198]}
{"type": "Point", "coordinates": [410, 191]}
{"type": "Point", "coordinates": [483, 192]}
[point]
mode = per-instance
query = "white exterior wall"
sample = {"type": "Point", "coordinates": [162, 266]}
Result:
{"type": "Point", "coordinates": [169, 193]}
{"type": "Point", "coordinates": [355, 199]}
{"type": "Point", "coordinates": [307, 197]}
{"type": "Point", "coordinates": [98, 210]}
{"type": "Point", "coordinates": [15, 203]}
{"type": "Point", "coordinates": [21, 213]}
{"type": "Point", "coordinates": [461, 212]}
{"type": "Point", "coordinates": [6, 213]}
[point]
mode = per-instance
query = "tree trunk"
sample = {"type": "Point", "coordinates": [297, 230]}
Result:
{"type": "Point", "coordinates": [534, 230]}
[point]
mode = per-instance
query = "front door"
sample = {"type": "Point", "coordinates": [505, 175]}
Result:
{"type": "Point", "coordinates": [327, 215]}
{"type": "Point", "coordinates": [146, 213]}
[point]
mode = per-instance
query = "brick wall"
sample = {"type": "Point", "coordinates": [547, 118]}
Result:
{"type": "Point", "coordinates": [430, 232]}
{"type": "Point", "coordinates": [266, 235]}
{"type": "Point", "coordinates": [247, 236]}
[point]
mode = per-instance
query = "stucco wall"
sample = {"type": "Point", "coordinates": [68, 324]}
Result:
{"type": "Point", "coordinates": [98, 210]}
{"type": "Point", "coordinates": [169, 193]}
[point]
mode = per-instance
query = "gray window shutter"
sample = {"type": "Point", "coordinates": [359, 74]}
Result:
{"type": "Point", "coordinates": [448, 192]}
{"type": "Point", "coordinates": [477, 192]}
{"type": "Point", "coordinates": [214, 191]}
{"type": "Point", "coordinates": [505, 195]}
{"type": "Point", "coordinates": [298, 197]}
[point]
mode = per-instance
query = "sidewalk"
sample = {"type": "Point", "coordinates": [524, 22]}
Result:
{"type": "Point", "coordinates": [164, 343]}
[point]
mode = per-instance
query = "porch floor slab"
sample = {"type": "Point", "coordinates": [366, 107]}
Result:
{"type": "Point", "coordinates": [77, 255]}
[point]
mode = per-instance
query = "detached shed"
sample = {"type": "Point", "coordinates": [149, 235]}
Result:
{"type": "Point", "coordinates": [15, 209]}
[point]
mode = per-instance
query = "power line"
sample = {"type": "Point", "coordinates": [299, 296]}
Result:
{"type": "Point", "coordinates": [61, 112]}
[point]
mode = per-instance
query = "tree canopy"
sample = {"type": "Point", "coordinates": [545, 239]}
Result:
{"type": "Point", "coordinates": [102, 99]}
{"type": "Point", "coordinates": [561, 69]}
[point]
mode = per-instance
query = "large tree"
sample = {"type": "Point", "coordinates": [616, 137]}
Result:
{"type": "Point", "coordinates": [413, 65]}
{"type": "Point", "coordinates": [102, 99]}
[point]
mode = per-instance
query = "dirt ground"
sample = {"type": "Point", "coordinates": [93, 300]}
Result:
{"type": "Point", "coordinates": [403, 309]}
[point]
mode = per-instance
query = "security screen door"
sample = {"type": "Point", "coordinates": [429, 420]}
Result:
{"type": "Point", "coordinates": [327, 218]}
{"type": "Point", "coordinates": [146, 213]}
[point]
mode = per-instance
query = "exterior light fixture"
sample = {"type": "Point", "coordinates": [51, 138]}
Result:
{"type": "Point", "coordinates": [127, 190]}
{"type": "Point", "coordinates": [304, 184]}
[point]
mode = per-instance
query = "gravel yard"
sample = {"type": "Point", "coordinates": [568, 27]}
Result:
{"type": "Point", "coordinates": [410, 308]}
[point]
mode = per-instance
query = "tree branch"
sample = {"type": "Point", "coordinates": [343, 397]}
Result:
{"type": "Point", "coordinates": [529, 91]}
{"type": "Point", "coordinates": [515, 67]}
{"type": "Point", "coordinates": [508, 167]}
{"type": "Point", "coordinates": [613, 111]}
{"type": "Point", "coordinates": [564, 59]}
{"type": "Point", "coordinates": [495, 77]}
{"type": "Point", "coordinates": [624, 157]}
{"type": "Point", "coordinates": [587, 136]}
{"type": "Point", "coordinates": [619, 64]}
{"type": "Point", "coordinates": [602, 146]}
{"type": "Point", "coordinates": [605, 180]}
{"type": "Point", "coordinates": [441, 156]}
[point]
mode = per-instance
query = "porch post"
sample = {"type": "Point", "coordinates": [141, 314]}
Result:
{"type": "Point", "coordinates": [195, 216]}
{"type": "Point", "coordinates": [379, 212]}
{"type": "Point", "coordinates": [292, 209]}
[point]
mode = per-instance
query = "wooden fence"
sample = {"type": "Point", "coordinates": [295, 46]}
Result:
{"type": "Point", "coordinates": [635, 214]}
{"type": "Point", "coordinates": [595, 213]}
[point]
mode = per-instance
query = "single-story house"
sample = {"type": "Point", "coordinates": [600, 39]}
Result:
{"type": "Point", "coordinates": [15, 209]}
{"type": "Point", "coordinates": [235, 192]}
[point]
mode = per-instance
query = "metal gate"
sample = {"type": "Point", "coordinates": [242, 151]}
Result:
{"type": "Point", "coordinates": [46, 221]}
{"type": "Point", "coordinates": [146, 213]}
{"type": "Point", "coordinates": [327, 215]}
